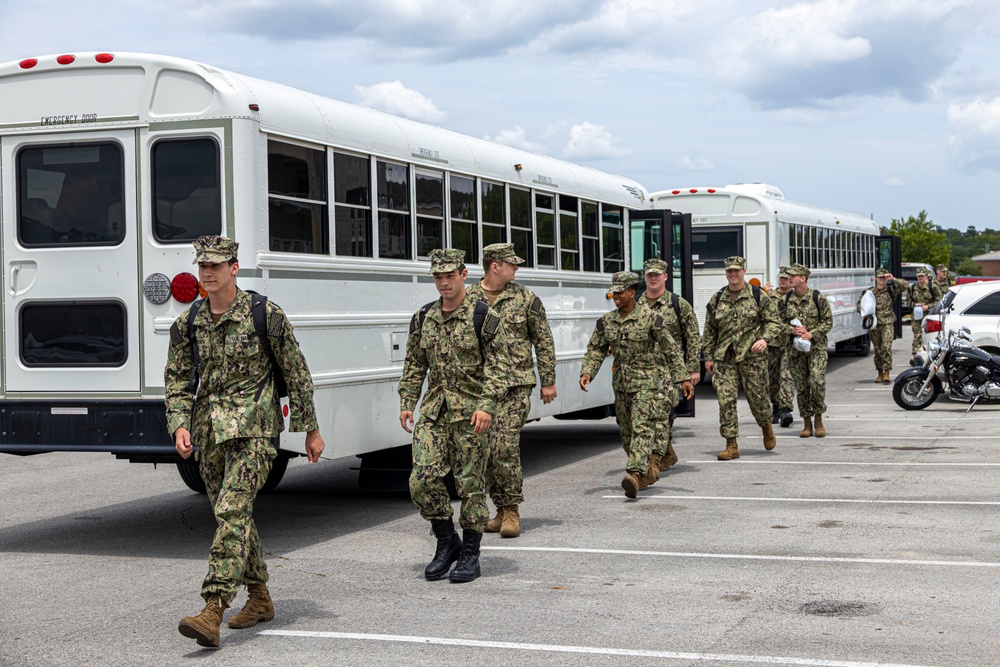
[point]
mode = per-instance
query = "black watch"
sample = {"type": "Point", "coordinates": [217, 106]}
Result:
{"type": "Point", "coordinates": [767, 339]}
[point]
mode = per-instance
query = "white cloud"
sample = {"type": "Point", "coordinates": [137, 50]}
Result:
{"type": "Point", "coordinates": [588, 141]}
{"type": "Point", "coordinates": [395, 98]}
{"type": "Point", "coordinates": [894, 182]}
{"type": "Point", "coordinates": [515, 138]}
{"type": "Point", "coordinates": [975, 145]}
{"type": "Point", "coordinates": [696, 164]}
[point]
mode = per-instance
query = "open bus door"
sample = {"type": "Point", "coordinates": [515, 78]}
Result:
{"type": "Point", "coordinates": [665, 235]}
{"type": "Point", "coordinates": [888, 256]}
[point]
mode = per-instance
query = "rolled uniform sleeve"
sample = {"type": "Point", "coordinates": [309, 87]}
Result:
{"type": "Point", "coordinates": [177, 376]}
{"type": "Point", "coordinates": [415, 368]}
{"type": "Point", "coordinates": [540, 335]}
{"type": "Point", "coordinates": [293, 365]}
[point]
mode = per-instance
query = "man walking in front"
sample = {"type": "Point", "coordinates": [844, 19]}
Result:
{"type": "Point", "coordinates": [740, 322]}
{"type": "Point", "coordinates": [887, 288]}
{"type": "Point", "coordinates": [682, 323]}
{"type": "Point", "coordinates": [228, 406]}
{"type": "Point", "coordinates": [815, 320]}
{"type": "Point", "coordinates": [458, 345]}
{"type": "Point", "coordinates": [639, 341]}
{"type": "Point", "coordinates": [526, 326]}
{"type": "Point", "coordinates": [926, 294]}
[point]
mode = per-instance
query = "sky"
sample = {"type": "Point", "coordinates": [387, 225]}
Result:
{"type": "Point", "coordinates": [878, 107]}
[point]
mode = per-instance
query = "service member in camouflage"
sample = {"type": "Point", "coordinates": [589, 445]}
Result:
{"type": "Point", "coordinates": [812, 309]}
{"type": "Point", "coordinates": [779, 379]}
{"type": "Point", "coordinates": [740, 322]}
{"type": "Point", "coordinates": [526, 327]}
{"type": "Point", "coordinates": [684, 330]}
{"type": "Point", "coordinates": [232, 416]}
{"type": "Point", "coordinates": [926, 294]}
{"type": "Point", "coordinates": [942, 279]}
{"type": "Point", "coordinates": [640, 342]}
{"type": "Point", "coordinates": [467, 373]}
{"type": "Point", "coordinates": [887, 288]}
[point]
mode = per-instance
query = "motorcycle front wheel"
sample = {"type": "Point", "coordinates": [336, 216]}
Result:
{"type": "Point", "coordinates": [906, 391]}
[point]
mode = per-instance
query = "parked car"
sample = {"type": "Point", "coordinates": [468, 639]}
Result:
{"type": "Point", "coordinates": [973, 305]}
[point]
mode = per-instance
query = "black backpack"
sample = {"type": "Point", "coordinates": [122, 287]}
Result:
{"type": "Point", "coordinates": [478, 318]}
{"type": "Point", "coordinates": [258, 309]}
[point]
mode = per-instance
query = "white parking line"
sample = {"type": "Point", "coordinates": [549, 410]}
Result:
{"type": "Point", "coordinates": [807, 559]}
{"type": "Point", "coordinates": [860, 501]}
{"type": "Point", "coordinates": [745, 462]}
{"type": "Point", "coordinates": [589, 650]}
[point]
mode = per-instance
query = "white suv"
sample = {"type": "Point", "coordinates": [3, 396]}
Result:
{"type": "Point", "coordinates": [973, 305]}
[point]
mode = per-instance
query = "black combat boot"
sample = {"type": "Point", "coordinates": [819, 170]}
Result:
{"type": "Point", "coordinates": [467, 567]}
{"type": "Point", "coordinates": [775, 413]}
{"type": "Point", "coordinates": [448, 549]}
{"type": "Point", "coordinates": [786, 417]}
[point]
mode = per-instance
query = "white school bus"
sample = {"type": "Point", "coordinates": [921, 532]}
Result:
{"type": "Point", "coordinates": [756, 221]}
{"type": "Point", "coordinates": [112, 163]}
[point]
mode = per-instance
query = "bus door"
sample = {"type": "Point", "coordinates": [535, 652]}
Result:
{"type": "Point", "coordinates": [664, 235]}
{"type": "Point", "coordinates": [70, 262]}
{"type": "Point", "coordinates": [888, 256]}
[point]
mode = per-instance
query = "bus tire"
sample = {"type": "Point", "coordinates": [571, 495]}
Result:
{"type": "Point", "coordinates": [864, 346]}
{"type": "Point", "coordinates": [188, 469]}
{"type": "Point", "coordinates": [278, 469]}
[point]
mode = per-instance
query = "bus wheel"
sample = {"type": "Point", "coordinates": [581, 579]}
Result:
{"type": "Point", "coordinates": [864, 346]}
{"type": "Point", "coordinates": [277, 472]}
{"type": "Point", "coordinates": [188, 469]}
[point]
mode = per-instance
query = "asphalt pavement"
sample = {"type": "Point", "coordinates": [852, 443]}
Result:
{"type": "Point", "coordinates": [876, 545]}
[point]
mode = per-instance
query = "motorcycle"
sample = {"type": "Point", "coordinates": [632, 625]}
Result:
{"type": "Point", "coordinates": [971, 374]}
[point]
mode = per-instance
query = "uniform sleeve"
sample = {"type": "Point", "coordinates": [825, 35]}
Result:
{"type": "Point", "coordinates": [497, 363]}
{"type": "Point", "coordinates": [414, 368]}
{"type": "Point", "coordinates": [771, 318]}
{"type": "Point", "coordinates": [899, 286]}
{"type": "Point", "coordinates": [177, 375]}
{"type": "Point", "coordinates": [825, 323]}
{"type": "Point", "coordinates": [689, 325]}
{"type": "Point", "coordinates": [540, 335]}
{"type": "Point", "coordinates": [596, 351]}
{"type": "Point", "coordinates": [708, 343]}
{"type": "Point", "coordinates": [289, 356]}
{"type": "Point", "coordinates": [935, 296]}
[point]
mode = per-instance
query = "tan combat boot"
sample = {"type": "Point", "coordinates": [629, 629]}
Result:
{"type": "Point", "coordinates": [670, 459]}
{"type": "Point", "coordinates": [511, 526]}
{"type": "Point", "coordinates": [652, 474]}
{"type": "Point", "coordinates": [887, 378]}
{"type": "Point", "coordinates": [631, 485]}
{"type": "Point", "coordinates": [494, 524]}
{"type": "Point", "coordinates": [258, 609]}
{"type": "Point", "coordinates": [807, 429]}
{"type": "Point", "coordinates": [204, 628]}
{"type": "Point", "coordinates": [656, 461]}
{"type": "Point", "coordinates": [769, 440]}
{"type": "Point", "coordinates": [881, 374]}
{"type": "Point", "coordinates": [732, 451]}
{"type": "Point", "coordinates": [820, 429]}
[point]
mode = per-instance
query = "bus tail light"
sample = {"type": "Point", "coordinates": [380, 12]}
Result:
{"type": "Point", "coordinates": [184, 287]}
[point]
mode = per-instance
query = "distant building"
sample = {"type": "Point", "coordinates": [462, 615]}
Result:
{"type": "Point", "coordinates": [990, 261]}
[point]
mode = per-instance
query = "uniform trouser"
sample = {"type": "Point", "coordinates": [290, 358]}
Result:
{"type": "Point", "coordinates": [234, 471]}
{"type": "Point", "coordinates": [751, 375]}
{"type": "Point", "coordinates": [443, 446]}
{"type": "Point", "coordinates": [637, 413]}
{"type": "Point", "coordinates": [882, 337]}
{"type": "Point", "coordinates": [779, 379]}
{"type": "Point", "coordinates": [918, 334]}
{"type": "Point", "coordinates": [809, 371]}
{"type": "Point", "coordinates": [504, 477]}
{"type": "Point", "coordinates": [664, 434]}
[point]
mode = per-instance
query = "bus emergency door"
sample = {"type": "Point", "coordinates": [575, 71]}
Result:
{"type": "Point", "coordinates": [70, 261]}
{"type": "Point", "coordinates": [665, 235]}
{"type": "Point", "coordinates": [889, 256]}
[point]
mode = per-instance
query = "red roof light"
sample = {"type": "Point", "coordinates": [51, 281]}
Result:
{"type": "Point", "coordinates": [710, 190]}
{"type": "Point", "coordinates": [104, 57]}
{"type": "Point", "coordinates": [675, 192]}
{"type": "Point", "coordinates": [28, 63]}
{"type": "Point", "coordinates": [65, 60]}
{"type": "Point", "coordinates": [693, 190]}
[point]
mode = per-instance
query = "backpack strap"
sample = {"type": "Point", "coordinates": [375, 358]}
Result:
{"type": "Point", "coordinates": [258, 310]}
{"type": "Point", "coordinates": [675, 301]}
{"type": "Point", "coordinates": [194, 380]}
{"type": "Point", "coordinates": [482, 309]}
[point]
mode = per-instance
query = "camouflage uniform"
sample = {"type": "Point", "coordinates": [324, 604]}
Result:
{"type": "Point", "coordinates": [809, 368]}
{"type": "Point", "coordinates": [463, 375]}
{"type": "Point", "coordinates": [526, 327]}
{"type": "Point", "coordinates": [884, 333]}
{"type": "Point", "coordinates": [731, 328]}
{"type": "Point", "coordinates": [234, 420]}
{"type": "Point", "coordinates": [685, 333]}
{"type": "Point", "coordinates": [779, 379]}
{"type": "Point", "coordinates": [943, 285]}
{"type": "Point", "coordinates": [928, 296]}
{"type": "Point", "coordinates": [644, 353]}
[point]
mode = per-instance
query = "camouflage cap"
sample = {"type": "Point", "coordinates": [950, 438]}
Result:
{"type": "Point", "coordinates": [446, 260]}
{"type": "Point", "coordinates": [924, 271]}
{"type": "Point", "coordinates": [783, 272]}
{"type": "Point", "coordinates": [797, 269]}
{"type": "Point", "coordinates": [502, 252]}
{"type": "Point", "coordinates": [623, 280]}
{"type": "Point", "coordinates": [735, 262]}
{"type": "Point", "coordinates": [654, 265]}
{"type": "Point", "coordinates": [880, 272]}
{"type": "Point", "coordinates": [941, 267]}
{"type": "Point", "coordinates": [214, 250]}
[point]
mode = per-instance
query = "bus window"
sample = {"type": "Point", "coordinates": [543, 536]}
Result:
{"type": "Point", "coordinates": [463, 217]}
{"type": "Point", "coordinates": [394, 229]}
{"type": "Point", "coordinates": [494, 216]}
{"type": "Point", "coordinates": [430, 211]}
{"type": "Point", "coordinates": [545, 226]}
{"type": "Point", "coordinates": [296, 187]}
{"type": "Point", "coordinates": [351, 208]}
{"type": "Point", "coordinates": [613, 244]}
{"type": "Point", "coordinates": [520, 225]}
{"type": "Point", "coordinates": [569, 232]}
{"type": "Point", "coordinates": [591, 237]}
{"type": "Point", "coordinates": [186, 196]}
{"type": "Point", "coordinates": [70, 195]}
{"type": "Point", "coordinates": [710, 246]}
{"type": "Point", "coordinates": [72, 334]}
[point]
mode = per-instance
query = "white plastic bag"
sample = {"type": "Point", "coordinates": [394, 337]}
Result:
{"type": "Point", "coordinates": [800, 343]}
{"type": "Point", "coordinates": [867, 308]}
{"type": "Point", "coordinates": [918, 312]}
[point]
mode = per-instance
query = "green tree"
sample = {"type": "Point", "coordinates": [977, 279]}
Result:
{"type": "Point", "coordinates": [919, 241]}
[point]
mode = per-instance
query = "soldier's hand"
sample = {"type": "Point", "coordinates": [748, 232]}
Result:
{"type": "Point", "coordinates": [406, 420]}
{"type": "Point", "coordinates": [584, 381]}
{"type": "Point", "coordinates": [548, 394]}
{"type": "Point", "coordinates": [182, 442]}
{"type": "Point", "coordinates": [481, 422]}
{"type": "Point", "coordinates": [768, 287]}
{"type": "Point", "coordinates": [709, 367]}
{"type": "Point", "coordinates": [759, 346]}
{"type": "Point", "coordinates": [688, 389]}
{"type": "Point", "coordinates": [695, 377]}
{"type": "Point", "coordinates": [314, 446]}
